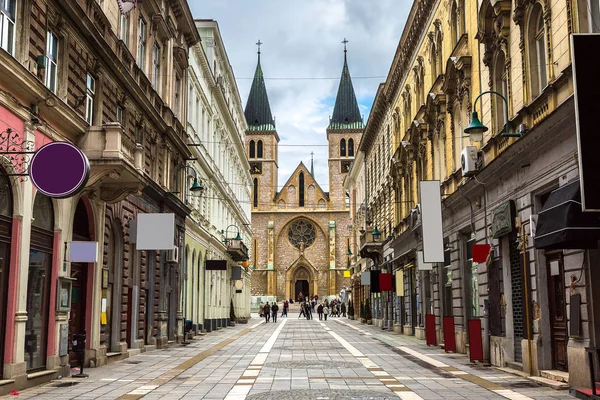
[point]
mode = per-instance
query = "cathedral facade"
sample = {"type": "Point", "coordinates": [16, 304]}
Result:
{"type": "Point", "coordinates": [300, 233]}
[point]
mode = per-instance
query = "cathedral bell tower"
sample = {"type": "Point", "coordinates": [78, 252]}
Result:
{"type": "Point", "coordinates": [261, 142]}
{"type": "Point", "coordinates": [343, 133]}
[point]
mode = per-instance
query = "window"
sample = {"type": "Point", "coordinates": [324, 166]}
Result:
{"type": "Point", "coordinates": [447, 281]}
{"type": "Point", "coordinates": [124, 29]}
{"type": "Point", "coordinates": [52, 61]}
{"type": "Point", "coordinates": [252, 149]}
{"type": "Point", "coordinates": [301, 233]}
{"type": "Point", "coordinates": [120, 114]}
{"type": "Point", "coordinates": [350, 147]}
{"type": "Point", "coordinates": [433, 59]}
{"type": "Point", "coordinates": [156, 63]}
{"type": "Point", "coordinates": [139, 135]}
{"type": "Point", "coordinates": [458, 132]}
{"type": "Point", "coordinates": [301, 189]}
{"type": "Point", "coordinates": [500, 86]}
{"type": "Point", "coordinates": [255, 194]}
{"type": "Point", "coordinates": [259, 149]}
{"type": "Point", "coordinates": [343, 148]}
{"type": "Point", "coordinates": [537, 52]}
{"type": "Point", "coordinates": [177, 95]}
{"type": "Point", "coordinates": [141, 43]}
{"type": "Point", "coordinates": [7, 24]}
{"type": "Point", "coordinates": [89, 99]}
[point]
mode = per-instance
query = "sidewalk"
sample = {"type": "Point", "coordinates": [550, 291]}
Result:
{"type": "Point", "coordinates": [458, 365]}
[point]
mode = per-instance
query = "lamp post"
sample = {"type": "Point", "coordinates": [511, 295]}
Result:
{"type": "Point", "coordinates": [196, 186]}
{"type": "Point", "coordinates": [476, 129]}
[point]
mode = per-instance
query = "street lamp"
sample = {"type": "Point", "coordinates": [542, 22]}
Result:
{"type": "Point", "coordinates": [476, 129]}
{"type": "Point", "coordinates": [196, 187]}
{"type": "Point", "coordinates": [376, 234]}
{"type": "Point", "coordinates": [233, 242]}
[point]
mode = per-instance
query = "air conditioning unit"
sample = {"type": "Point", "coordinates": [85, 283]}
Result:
{"type": "Point", "coordinates": [468, 160]}
{"type": "Point", "coordinates": [173, 255]}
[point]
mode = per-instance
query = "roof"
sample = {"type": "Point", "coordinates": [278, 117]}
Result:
{"type": "Point", "coordinates": [346, 114]}
{"type": "Point", "coordinates": [258, 111]}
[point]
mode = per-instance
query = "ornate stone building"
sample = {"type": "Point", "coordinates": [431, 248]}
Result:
{"type": "Point", "coordinates": [301, 233]}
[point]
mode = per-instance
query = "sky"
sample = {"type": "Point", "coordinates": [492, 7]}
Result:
{"type": "Point", "coordinates": [303, 39]}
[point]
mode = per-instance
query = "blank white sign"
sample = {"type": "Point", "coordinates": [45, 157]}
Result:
{"type": "Point", "coordinates": [83, 251]}
{"type": "Point", "coordinates": [155, 231]}
{"type": "Point", "coordinates": [431, 221]}
{"type": "Point", "coordinates": [422, 265]}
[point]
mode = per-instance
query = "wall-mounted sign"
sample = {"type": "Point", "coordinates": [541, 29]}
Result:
{"type": "Point", "coordinates": [216, 265]}
{"type": "Point", "coordinates": [83, 252]}
{"type": "Point", "coordinates": [155, 231]}
{"type": "Point", "coordinates": [502, 221]}
{"type": "Point", "coordinates": [431, 221]}
{"type": "Point", "coordinates": [59, 169]}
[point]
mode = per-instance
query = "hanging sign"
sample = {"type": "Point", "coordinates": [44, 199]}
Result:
{"type": "Point", "coordinates": [59, 170]}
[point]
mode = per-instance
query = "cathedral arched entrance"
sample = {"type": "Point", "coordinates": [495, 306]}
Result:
{"type": "Point", "coordinates": [301, 278]}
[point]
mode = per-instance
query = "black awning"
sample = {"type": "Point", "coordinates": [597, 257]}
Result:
{"type": "Point", "coordinates": [561, 223]}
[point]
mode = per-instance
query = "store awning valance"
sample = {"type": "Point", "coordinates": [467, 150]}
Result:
{"type": "Point", "coordinates": [561, 223]}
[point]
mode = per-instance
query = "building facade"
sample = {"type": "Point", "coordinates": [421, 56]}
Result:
{"type": "Point", "coordinates": [216, 129]}
{"type": "Point", "coordinates": [532, 293]}
{"type": "Point", "coordinates": [110, 83]}
{"type": "Point", "coordinates": [300, 233]}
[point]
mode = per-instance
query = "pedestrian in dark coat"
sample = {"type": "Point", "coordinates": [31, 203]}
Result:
{"type": "Point", "coordinates": [343, 309]}
{"type": "Point", "coordinates": [320, 311]}
{"type": "Point", "coordinates": [302, 313]}
{"type": "Point", "coordinates": [267, 312]}
{"type": "Point", "coordinates": [274, 310]}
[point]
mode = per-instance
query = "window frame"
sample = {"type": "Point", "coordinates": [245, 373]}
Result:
{"type": "Point", "coordinates": [177, 96]}
{"type": "Point", "coordinates": [51, 73]}
{"type": "Point", "coordinates": [119, 114]}
{"type": "Point", "coordinates": [252, 149]}
{"type": "Point", "coordinates": [90, 94]}
{"type": "Point", "coordinates": [142, 38]}
{"type": "Point", "coordinates": [124, 28]}
{"type": "Point", "coordinates": [8, 23]}
{"type": "Point", "coordinates": [343, 147]}
{"type": "Point", "coordinates": [259, 149]}
{"type": "Point", "coordinates": [156, 67]}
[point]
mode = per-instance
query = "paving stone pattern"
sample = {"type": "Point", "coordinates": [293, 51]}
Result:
{"type": "Point", "coordinates": [336, 359]}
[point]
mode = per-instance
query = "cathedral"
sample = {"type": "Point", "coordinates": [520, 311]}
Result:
{"type": "Point", "coordinates": [300, 233]}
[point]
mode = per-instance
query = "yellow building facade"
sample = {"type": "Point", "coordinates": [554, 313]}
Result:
{"type": "Point", "coordinates": [450, 52]}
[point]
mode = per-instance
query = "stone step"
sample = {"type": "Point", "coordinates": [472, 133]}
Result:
{"type": "Point", "coordinates": [555, 375]}
{"type": "Point", "coordinates": [515, 365]}
{"type": "Point", "coordinates": [551, 383]}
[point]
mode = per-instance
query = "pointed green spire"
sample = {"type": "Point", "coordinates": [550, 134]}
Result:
{"type": "Point", "coordinates": [258, 111]}
{"type": "Point", "coordinates": [346, 114]}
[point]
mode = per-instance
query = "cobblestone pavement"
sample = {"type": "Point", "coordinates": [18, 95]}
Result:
{"type": "Point", "coordinates": [338, 359]}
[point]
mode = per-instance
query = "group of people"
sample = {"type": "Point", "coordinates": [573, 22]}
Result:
{"type": "Point", "coordinates": [333, 308]}
{"type": "Point", "coordinates": [269, 311]}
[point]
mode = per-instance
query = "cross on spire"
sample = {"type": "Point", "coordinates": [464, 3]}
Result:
{"type": "Point", "coordinates": [345, 41]}
{"type": "Point", "coordinates": [258, 44]}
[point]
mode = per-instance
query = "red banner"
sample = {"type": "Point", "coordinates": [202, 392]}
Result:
{"type": "Point", "coordinates": [480, 252]}
{"type": "Point", "coordinates": [449, 337]}
{"type": "Point", "coordinates": [385, 282]}
{"type": "Point", "coordinates": [475, 341]}
{"type": "Point", "coordinates": [430, 330]}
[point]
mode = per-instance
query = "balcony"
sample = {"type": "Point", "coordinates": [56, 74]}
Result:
{"type": "Point", "coordinates": [236, 249]}
{"type": "Point", "coordinates": [116, 163]}
{"type": "Point", "coordinates": [370, 248]}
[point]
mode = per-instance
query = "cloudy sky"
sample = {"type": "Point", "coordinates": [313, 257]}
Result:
{"type": "Point", "coordinates": [302, 39]}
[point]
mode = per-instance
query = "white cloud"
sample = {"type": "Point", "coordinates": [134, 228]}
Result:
{"type": "Point", "coordinates": [302, 39]}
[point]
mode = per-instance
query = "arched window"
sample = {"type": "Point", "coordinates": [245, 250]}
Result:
{"type": "Point", "coordinates": [458, 132]}
{"type": "Point", "coordinates": [537, 52]}
{"type": "Point", "coordinates": [455, 22]}
{"type": "Point", "coordinates": [343, 148]}
{"type": "Point", "coordinates": [350, 147]}
{"type": "Point", "coordinates": [38, 282]}
{"type": "Point", "coordinates": [255, 194]}
{"type": "Point", "coordinates": [252, 149]}
{"type": "Point", "coordinates": [433, 59]}
{"type": "Point", "coordinates": [500, 86]}
{"type": "Point", "coordinates": [301, 189]}
{"type": "Point", "coordinates": [259, 149]}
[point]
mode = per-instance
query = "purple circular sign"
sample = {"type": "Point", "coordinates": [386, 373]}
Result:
{"type": "Point", "coordinates": [59, 169]}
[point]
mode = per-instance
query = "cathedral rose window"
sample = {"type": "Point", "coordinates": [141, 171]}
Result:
{"type": "Point", "coordinates": [301, 233]}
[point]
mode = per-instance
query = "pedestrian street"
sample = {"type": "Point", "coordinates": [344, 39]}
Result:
{"type": "Point", "coordinates": [296, 359]}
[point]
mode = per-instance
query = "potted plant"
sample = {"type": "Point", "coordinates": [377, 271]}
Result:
{"type": "Point", "coordinates": [368, 316]}
{"type": "Point", "coordinates": [232, 317]}
{"type": "Point", "coordinates": [351, 311]}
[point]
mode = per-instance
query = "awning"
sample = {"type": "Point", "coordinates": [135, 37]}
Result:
{"type": "Point", "coordinates": [561, 223]}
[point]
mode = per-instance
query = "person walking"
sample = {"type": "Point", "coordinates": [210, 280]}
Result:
{"type": "Point", "coordinates": [261, 309]}
{"type": "Point", "coordinates": [325, 311]}
{"type": "Point", "coordinates": [267, 312]}
{"type": "Point", "coordinates": [286, 305]}
{"type": "Point", "coordinates": [308, 312]}
{"type": "Point", "coordinates": [274, 310]}
{"type": "Point", "coordinates": [302, 314]}
{"type": "Point", "coordinates": [343, 309]}
{"type": "Point", "coordinates": [320, 311]}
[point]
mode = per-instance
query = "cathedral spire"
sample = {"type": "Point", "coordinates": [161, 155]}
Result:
{"type": "Point", "coordinates": [312, 170]}
{"type": "Point", "coordinates": [346, 113]}
{"type": "Point", "coordinates": [258, 111]}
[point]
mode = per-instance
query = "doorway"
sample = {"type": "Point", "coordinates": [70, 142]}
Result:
{"type": "Point", "coordinates": [6, 212]}
{"type": "Point", "coordinates": [302, 287]}
{"type": "Point", "coordinates": [558, 310]}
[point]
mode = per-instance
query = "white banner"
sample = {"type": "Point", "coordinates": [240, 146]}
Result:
{"type": "Point", "coordinates": [431, 221]}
